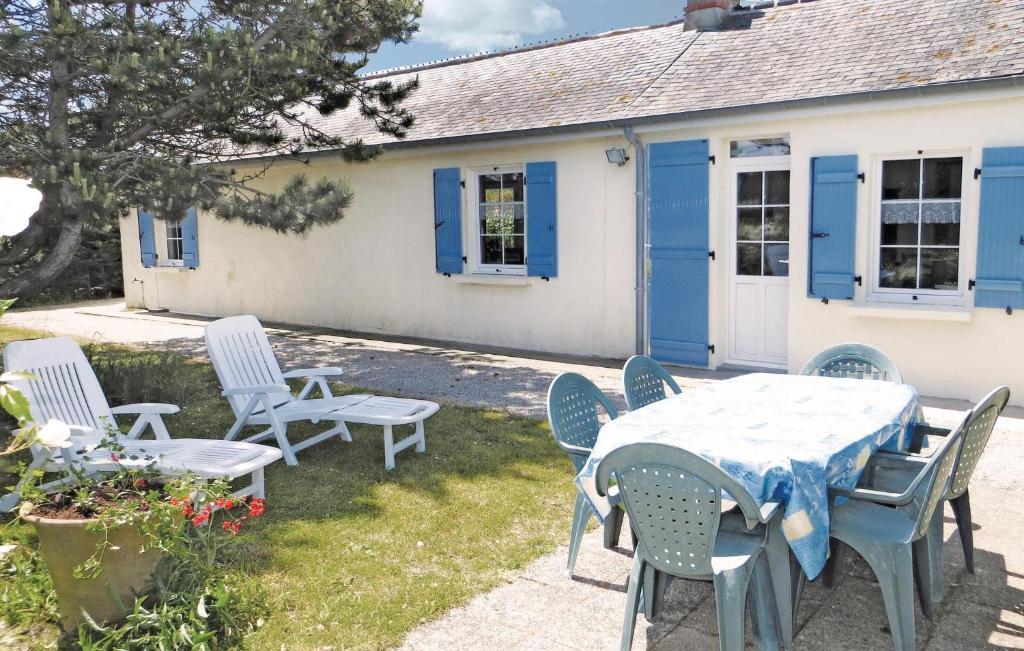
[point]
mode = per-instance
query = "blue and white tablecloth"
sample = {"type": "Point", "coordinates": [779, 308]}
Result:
{"type": "Point", "coordinates": [785, 438]}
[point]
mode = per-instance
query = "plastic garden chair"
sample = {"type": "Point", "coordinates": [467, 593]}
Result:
{"type": "Point", "coordinates": [853, 361]}
{"type": "Point", "coordinates": [890, 531]}
{"type": "Point", "coordinates": [673, 499]}
{"type": "Point", "coordinates": [893, 472]}
{"type": "Point", "coordinates": [644, 380]}
{"type": "Point", "coordinates": [573, 403]}
{"type": "Point", "coordinates": [64, 387]}
{"type": "Point", "coordinates": [256, 388]}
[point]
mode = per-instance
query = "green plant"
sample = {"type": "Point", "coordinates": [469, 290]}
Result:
{"type": "Point", "coordinates": [26, 594]}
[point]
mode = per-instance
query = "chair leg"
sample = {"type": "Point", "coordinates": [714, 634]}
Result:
{"type": "Point", "coordinates": [764, 607]}
{"type": "Point", "coordinates": [730, 602]}
{"type": "Point", "coordinates": [834, 566]}
{"type": "Point", "coordinates": [389, 448]}
{"type": "Point", "coordinates": [580, 517]}
{"type": "Point", "coordinates": [612, 527]}
{"type": "Point", "coordinates": [421, 437]}
{"type": "Point", "coordinates": [893, 566]}
{"type": "Point", "coordinates": [650, 592]}
{"type": "Point", "coordinates": [962, 511]}
{"type": "Point", "coordinates": [782, 580]}
{"type": "Point", "coordinates": [928, 573]}
{"type": "Point", "coordinates": [632, 601]}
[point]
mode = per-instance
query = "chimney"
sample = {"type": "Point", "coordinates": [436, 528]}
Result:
{"type": "Point", "coordinates": [707, 14]}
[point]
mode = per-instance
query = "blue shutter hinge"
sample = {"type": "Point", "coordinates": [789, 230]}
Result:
{"type": "Point", "coordinates": [861, 177]}
{"type": "Point", "coordinates": [1009, 311]}
{"type": "Point", "coordinates": [711, 348]}
{"type": "Point", "coordinates": [1022, 240]}
{"type": "Point", "coordinates": [711, 254]}
{"type": "Point", "coordinates": [446, 274]}
{"type": "Point", "coordinates": [859, 280]}
{"type": "Point", "coordinates": [711, 159]}
{"type": "Point", "coordinates": [462, 184]}
{"type": "Point", "coordinates": [438, 225]}
{"type": "Point", "coordinates": [545, 278]}
{"type": "Point", "coordinates": [977, 173]}
{"type": "Point", "coordinates": [971, 284]}
{"type": "Point", "coordinates": [825, 300]}
{"type": "Point", "coordinates": [464, 260]}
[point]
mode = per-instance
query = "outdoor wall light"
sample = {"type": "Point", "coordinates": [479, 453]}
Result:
{"type": "Point", "coordinates": [616, 156]}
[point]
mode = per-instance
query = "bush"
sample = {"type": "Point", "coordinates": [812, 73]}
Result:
{"type": "Point", "coordinates": [129, 376]}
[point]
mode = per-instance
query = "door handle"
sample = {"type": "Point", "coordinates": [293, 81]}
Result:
{"type": "Point", "coordinates": [817, 236]}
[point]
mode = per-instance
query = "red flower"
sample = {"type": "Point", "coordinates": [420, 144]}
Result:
{"type": "Point", "coordinates": [183, 504]}
{"type": "Point", "coordinates": [232, 526]}
{"type": "Point", "coordinates": [202, 517]}
{"type": "Point", "coordinates": [257, 507]}
{"type": "Point", "coordinates": [224, 503]}
{"type": "Point", "coordinates": [140, 483]}
{"type": "Point", "coordinates": [114, 457]}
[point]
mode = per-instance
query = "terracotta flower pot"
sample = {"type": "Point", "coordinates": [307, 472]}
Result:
{"type": "Point", "coordinates": [126, 571]}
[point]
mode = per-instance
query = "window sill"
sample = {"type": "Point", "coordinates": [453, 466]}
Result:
{"type": "Point", "coordinates": [489, 279]}
{"type": "Point", "coordinates": [168, 269]}
{"type": "Point", "coordinates": [957, 314]}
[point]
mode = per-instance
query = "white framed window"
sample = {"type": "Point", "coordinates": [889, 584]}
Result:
{"type": "Point", "coordinates": [499, 230]}
{"type": "Point", "coordinates": [918, 225]}
{"type": "Point", "coordinates": [170, 244]}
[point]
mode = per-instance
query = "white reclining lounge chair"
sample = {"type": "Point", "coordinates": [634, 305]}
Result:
{"type": "Point", "coordinates": [65, 388]}
{"type": "Point", "coordinates": [259, 395]}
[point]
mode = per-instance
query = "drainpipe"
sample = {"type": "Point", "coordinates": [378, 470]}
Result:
{"type": "Point", "coordinates": [640, 161]}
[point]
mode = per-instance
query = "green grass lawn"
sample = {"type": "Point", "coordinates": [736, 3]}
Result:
{"type": "Point", "coordinates": [349, 554]}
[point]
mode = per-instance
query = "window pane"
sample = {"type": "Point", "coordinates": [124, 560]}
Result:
{"type": "Point", "coordinates": [490, 188]}
{"type": "Point", "coordinates": [940, 268]}
{"type": "Point", "coordinates": [748, 259]}
{"type": "Point", "coordinates": [901, 179]}
{"type": "Point", "coordinates": [777, 187]}
{"type": "Point", "coordinates": [898, 268]}
{"type": "Point", "coordinates": [899, 222]}
{"type": "Point", "coordinates": [776, 224]}
{"type": "Point", "coordinates": [941, 234]}
{"type": "Point", "coordinates": [514, 250]}
{"type": "Point", "coordinates": [899, 234]}
{"type": "Point", "coordinates": [490, 219]}
{"type": "Point", "coordinates": [748, 224]}
{"type": "Point", "coordinates": [942, 178]}
{"type": "Point", "coordinates": [776, 259]}
{"type": "Point", "coordinates": [490, 249]}
{"type": "Point", "coordinates": [518, 219]}
{"type": "Point", "coordinates": [513, 186]}
{"type": "Point", "coordinates": [759, 147]}
{"type": "Point", "coordinates": [749, 188]}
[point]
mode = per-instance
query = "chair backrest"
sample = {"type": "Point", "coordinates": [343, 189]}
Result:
{"type": "Point", "coordinates": [64, 386]}
{"type": "Point", "coordinates": [980, 422]}
{"type": "Point", "coordinates": [573, 403]}
{"type": "Point", "coordinates": [940, 472]}
{"type": "Point", "coordinates": [644, 380]}
{"type": "Point", "coordinates": [853, 361]}
{"type": "Point", "coordinates": [241, 355]}
{"type": "Point", "coordinates": [673, 499]}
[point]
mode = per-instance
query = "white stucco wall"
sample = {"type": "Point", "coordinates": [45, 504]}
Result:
{"type": "Point", "coordinates": [374, 271]}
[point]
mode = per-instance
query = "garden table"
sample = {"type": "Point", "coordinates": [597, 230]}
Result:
{"type": "Point", "coordinates": [785, 438]}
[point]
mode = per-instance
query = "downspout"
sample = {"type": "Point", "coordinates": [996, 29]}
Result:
{"type": "Point", "coordinates": [640, 161]}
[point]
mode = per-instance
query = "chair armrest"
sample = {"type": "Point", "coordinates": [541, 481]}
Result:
{"type": "Point", "coordinates": [314, 372]}
{"type": "Point", "coordinates": [931, 430]}
{"type": "Point", "coordinates": [575, 449]}
{"type": "Point", "coordinates": [899, 460]}
{"type": "Point", "coordinates": [259, 388]}
{"type": "Point", "coordinates": [876, 496]}
{"type": "Point", "coordinates": [768, 511]}
{"type": "Point", "coordinates": [146, 408]}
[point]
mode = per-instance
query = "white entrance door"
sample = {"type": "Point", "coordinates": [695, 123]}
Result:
{"type": "Point", "coordinates": [759, 214]}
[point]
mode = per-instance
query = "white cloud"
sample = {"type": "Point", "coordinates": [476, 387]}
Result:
{"type": "Point", "coordinates": [18, 202]}
{"type": "Point", "coordinates": [477, 25]}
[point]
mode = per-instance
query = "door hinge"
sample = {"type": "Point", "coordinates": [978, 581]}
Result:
{"type": "Point", "coordinates": [977, 173]}
{"type": "Point", "coordinates": [711, 348]}
{"type": "Point", "coordinates": [711, 254]}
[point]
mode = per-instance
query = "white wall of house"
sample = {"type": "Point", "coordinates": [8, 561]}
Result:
{"type": "Point", "coordinates": [374, 271]}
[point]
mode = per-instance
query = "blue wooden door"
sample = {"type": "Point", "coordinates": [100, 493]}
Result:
{"type": "Point", "coordinates": [678, 252]}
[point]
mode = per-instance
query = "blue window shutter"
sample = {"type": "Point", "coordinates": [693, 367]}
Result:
{"type": "Point", "coordinates": [147, 238]}
{"type": "Point", "coordinates": [541, 220]}
{"type": "Point", "coordinates": [678, 252]}
{"type": "Point", "coordinates": [1000, 279]}
{"type": "Point", "coordinates": [190, 239]}
{"type": "Point", "coordinates": [448, 220]}
{"type": "Point", "coordinates": [833, 227]}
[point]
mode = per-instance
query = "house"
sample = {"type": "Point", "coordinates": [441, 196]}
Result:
{"type": "Point", "coordinates": [743, 187]}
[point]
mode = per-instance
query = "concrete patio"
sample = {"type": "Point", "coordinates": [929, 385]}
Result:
{"type": "Point", "coordinates": [542, 608]}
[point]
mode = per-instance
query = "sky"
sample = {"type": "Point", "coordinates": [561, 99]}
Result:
{"type": "Point", "coordinates": [451, 28]}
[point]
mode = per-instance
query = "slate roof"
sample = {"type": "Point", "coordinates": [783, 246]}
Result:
{"type": "Point", "coordinates": [814, 49]}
